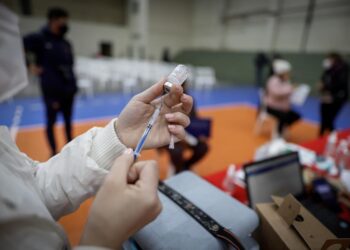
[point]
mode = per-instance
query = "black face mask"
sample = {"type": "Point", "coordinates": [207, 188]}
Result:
{"type": "Point", "coordinates": [64, 29]}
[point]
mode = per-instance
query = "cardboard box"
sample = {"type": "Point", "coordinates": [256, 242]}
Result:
{"type": "Point", "coordinates": [286, 224]}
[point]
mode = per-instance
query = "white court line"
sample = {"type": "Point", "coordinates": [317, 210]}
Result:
{"type": "Point", "coordinates": [16, 121]}
{"type": "Point", "coordinates": [36, 107]}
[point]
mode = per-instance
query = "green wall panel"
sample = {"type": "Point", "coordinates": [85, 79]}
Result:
{"type": "Point", "coordinates": [238, 67]}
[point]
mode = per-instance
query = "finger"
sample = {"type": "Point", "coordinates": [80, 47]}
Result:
{"type": "Point", "coordinates": [174, 95]}
{"type": "Point", "coordinates": [132, 175]}
{"type": "Point", "coordinates": [178, 118]}
{"type": "Point", "coordinates": [185, 106]}
{"type": "Point", "coordinates": [151, 93]}
{"type": "Point", "coordinates": [148, 174]}
{"type": "Point", "coordinates": [187, 103]}
{"type": "Point", "coordinates": [120, 168]}
{"type": "Point", "coordinates": [177, 130]}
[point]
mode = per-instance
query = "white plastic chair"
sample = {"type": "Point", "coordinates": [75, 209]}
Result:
{"type": "Point", "coordinates": [129, 84]}
{"type": "Point", "coordinates": [204, 78]}
{"type": "Point", "coordinates": [101, 73]}
{"type": "Point", "coordinates": [86, 86]}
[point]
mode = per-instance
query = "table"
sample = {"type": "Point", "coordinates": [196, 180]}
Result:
{"type": "Point", "coordinates": [240, 193]}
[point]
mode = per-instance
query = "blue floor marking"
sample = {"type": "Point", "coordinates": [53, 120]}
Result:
{"type": "Point", "coordinates": [111, 104]}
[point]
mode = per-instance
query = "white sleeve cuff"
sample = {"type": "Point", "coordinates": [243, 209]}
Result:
{"type": "Point", "coordinates": [106, 146]}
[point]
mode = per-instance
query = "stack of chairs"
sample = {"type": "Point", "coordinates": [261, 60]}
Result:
{"type": "Point", "coordinates": [130, 75]}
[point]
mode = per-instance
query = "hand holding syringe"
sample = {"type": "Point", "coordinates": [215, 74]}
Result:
{"type": "Point", "coordinates": [177, 76]}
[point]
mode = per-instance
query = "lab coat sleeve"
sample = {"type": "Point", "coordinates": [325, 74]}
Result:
{"type": "Point", "coordinates": [77, 172]}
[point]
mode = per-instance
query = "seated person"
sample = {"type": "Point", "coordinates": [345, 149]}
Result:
{"type": "Point", "coordinates": [277, 96]}
{"type": "Point", "coordinates": [195, 143]}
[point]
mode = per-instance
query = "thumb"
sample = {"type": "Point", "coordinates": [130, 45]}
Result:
{"type": "Point", "coordinates": [121, 165]}
{"type": "Point", "coordinates": [151, 93]}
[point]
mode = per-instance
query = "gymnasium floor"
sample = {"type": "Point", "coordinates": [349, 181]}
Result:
{"type": "Point", "coordinates": [232, 109]}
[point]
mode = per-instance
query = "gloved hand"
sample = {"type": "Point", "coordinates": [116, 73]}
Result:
{"type": "Point", "coordinates": [173, 117]}
{"type": "Point", "coordinates": [124, 204]}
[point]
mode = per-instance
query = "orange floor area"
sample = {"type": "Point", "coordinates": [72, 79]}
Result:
{"type": "Point", "coordinates": [233, 141]}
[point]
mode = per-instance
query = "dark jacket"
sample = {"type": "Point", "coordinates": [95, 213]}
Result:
{"type": "Point", "coordinates": [261, 60]}
{"type": "Point", "coordinates": [335, 82]}
{"type": "Point", "coordinates": [54, 54]}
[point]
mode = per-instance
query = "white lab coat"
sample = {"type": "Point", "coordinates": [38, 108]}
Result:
{"type": "Point", "coordinates": [33, 194]}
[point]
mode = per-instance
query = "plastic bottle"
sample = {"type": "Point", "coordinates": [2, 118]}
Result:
{"type": "Point", "coordinates": [330, 148]}
{"type": "Point", "coordinates": [341, 155]}
{"type": "Point", "coordinates": [229, 181]}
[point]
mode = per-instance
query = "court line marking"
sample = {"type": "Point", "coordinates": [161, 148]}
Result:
{"type": "Point", "coordinates": [16, 120]}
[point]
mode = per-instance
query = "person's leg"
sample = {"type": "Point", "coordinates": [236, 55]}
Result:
{"type": "Point", "coordinates": [333, 113]}
{"type": "Point", "coordinates": [323, 118]}
{"type": "Point", "coordinates": [67, 107]}
{"type": "Point", "coordinates": [291, 117]}
{"type": "Point", "coordinates": [176, 157]}
{"type": "Point", "coordinates": [288, 118]}
{"type": "Point", "coordinates": [280, 127]}
{"type": "Point", "coordinates": [199, 151]}
{"type": "Point", "coordinates": [329, 117]}
{"type": "Point", "coordinates": [51, 114]}
{"type": "Point", "coordinates": [280, 119]}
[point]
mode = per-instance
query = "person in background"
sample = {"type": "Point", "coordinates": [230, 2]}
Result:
{"type": "Point", "coordinates": [166, 55]}
{"type": "Point", "coordinates": [277, 96]}
{"type": "Point", "coordinates": [50, 56]}
{"type": "Point", "coordinates": [260, 62]}
{"type": "Point", "coordinates": [275, 56]}
{"type": "Point", "coordinates": [197, 146]}
{"type": "Point", "coordinates": [333, 90]}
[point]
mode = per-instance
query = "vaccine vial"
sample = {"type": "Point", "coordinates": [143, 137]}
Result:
{"type": "Point", "coordinates": [177, 76]}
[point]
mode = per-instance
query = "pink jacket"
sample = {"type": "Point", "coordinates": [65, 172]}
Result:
{"type": "Point", "coordinates": [278, 94]}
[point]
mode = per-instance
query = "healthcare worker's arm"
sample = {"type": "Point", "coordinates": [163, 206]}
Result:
{"type": "Point", "coordinates": [77, 172]}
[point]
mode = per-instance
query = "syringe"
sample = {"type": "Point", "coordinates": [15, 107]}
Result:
{"type": "Point", "coordinates": [177, 76]}
{"type": "Point", "coordinates": [145, 134]}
